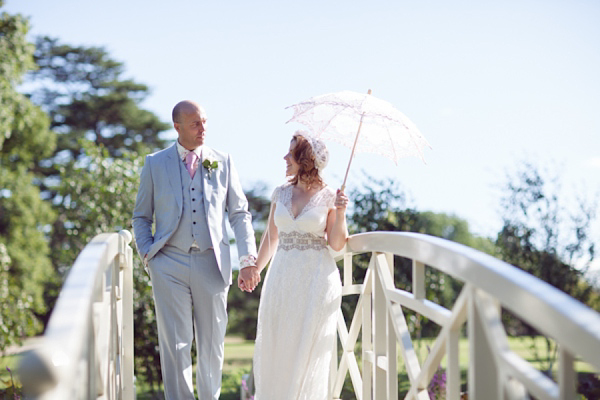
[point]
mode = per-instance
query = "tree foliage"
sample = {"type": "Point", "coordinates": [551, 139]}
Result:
{"type": "Point", "coordinates": [16, 60]}
{"type": "Point", "coordinates": [542, 235]}
{"type": "Point", "coordinates": [17, 320]}
{"type": "Point", "coordinates": [24, 139]}
{"type": "Point", "coordinates": [99, 197]}
{"type": "Point", "coordinates": [83, 91]}
{"type": "Point", "coordinates": [86, 97]}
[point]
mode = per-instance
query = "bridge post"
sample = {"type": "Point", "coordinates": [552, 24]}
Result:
{"type": "Point", "coordinates": [380, 359]}
{"type": "Point", "coordinates": [483, 372]}
{"type": "Point", "coordinates": [392, 343]}
{"type": "Point", "coordinates": [567, 376]}
{"type": "Point", "coordinates": [367, 337]}
{"type": "Point", "coordinates": [126, 266]}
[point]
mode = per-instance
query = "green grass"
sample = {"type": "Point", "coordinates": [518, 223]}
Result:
{"type": "Point", "coordinates": [238, 354]}
{"type": "Point", "coordinates": [523, 346]}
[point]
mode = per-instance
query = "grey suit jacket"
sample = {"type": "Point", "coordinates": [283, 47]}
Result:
{"type": "Point", "coordinates": [160, 199]}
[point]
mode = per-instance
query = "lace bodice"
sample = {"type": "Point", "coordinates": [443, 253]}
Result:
{"type": "Point", "coordinates": [311, 221]}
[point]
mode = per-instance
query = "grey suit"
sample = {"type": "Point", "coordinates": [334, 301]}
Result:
{"type": "Point", "coordinates": [190, 285]}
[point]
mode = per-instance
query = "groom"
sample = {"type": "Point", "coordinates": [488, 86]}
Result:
{"type": "Point", "coordinates": [187, 189]}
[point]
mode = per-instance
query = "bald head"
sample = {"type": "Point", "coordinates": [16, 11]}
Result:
{"type": "Point", "coordinates": [185, 107]}
{"type": "Point", "coordinates": [189, 120]}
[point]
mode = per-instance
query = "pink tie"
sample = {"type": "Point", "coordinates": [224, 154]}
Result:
{"type": "Point", "coordinates": [190, 160]}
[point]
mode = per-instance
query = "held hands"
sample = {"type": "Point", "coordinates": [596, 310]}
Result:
{"type": "Point", "coordinates": [248, 278]}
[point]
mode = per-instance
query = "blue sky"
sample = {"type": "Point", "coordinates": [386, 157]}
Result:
{"type": "Point", "coordinates": [487, 83]}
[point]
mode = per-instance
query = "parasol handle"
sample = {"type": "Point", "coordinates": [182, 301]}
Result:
{"type": "Point", "coordinates": [353, 148]}
{"type": "Point", "coordinates": [352, 154]}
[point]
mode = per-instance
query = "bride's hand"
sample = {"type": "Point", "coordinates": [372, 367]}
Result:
{"type": "Point", "coordinates": [248, 278]}
{"type": "Point", "coordinates": [341, 201]}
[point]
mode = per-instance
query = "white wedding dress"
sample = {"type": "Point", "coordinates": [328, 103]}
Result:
{"type": "Point", "coordinates": [298, 305]}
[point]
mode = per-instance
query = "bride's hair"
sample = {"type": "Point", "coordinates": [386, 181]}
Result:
{"type": "Point", "coordinates": [303, 154]}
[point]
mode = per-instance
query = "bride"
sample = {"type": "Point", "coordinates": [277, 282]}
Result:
{"type": "Point", "coordinates": [302, 290]}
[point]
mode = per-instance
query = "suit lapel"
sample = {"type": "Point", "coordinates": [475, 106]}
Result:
{"type": "Point", "coordinates": [174, 174]}
{"type": "Point", "coordinates": [207, 179]}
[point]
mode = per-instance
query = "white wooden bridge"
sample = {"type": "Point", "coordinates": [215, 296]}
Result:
{"type": "Point", "coordinates": [86, 352]}
{"type": "Point", "coordinates": [87, 349]}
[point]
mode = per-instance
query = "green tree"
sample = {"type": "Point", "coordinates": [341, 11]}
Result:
{"type": "Point", "coordinates": [24, 217]}
{"type": "Point", "coordinates": [83, 91]}
{"type": "Point", "coordinates": [546, 238]}
{"type": "Point", "coordinates": [542, 234]}
{"type": "Point", "coordinates": [15, 62]}
{"type": "Point", "coordinates": [16, 317]}
{"type": "Point", "coordinates": [99, 197]}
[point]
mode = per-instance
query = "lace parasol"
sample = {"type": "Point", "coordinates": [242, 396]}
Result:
{"type": "Point", "coordinates": [361, 122]}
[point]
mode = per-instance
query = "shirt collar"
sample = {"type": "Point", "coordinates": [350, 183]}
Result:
{"type": "Point", "coordinates": [183, 152]}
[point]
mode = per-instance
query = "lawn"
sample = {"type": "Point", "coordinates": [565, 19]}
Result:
{"type": "Point", "coordinates": [238, 360]}
{"type": "Point", "coordinates": [523, 346]}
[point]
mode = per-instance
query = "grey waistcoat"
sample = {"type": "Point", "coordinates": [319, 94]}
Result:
{"type": "Point", "coordinates": [193, 224]}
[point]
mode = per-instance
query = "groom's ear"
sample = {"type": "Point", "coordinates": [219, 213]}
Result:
{"type": "Point", "coordinates": [176, 126]}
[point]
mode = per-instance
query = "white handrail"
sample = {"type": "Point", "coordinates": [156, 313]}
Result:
{"type": "Point", "coordinates": [495, 372]}
{"type": "Point", "coordinates": [86, 351]}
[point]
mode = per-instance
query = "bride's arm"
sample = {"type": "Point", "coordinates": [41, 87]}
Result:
{"type": "Point", "coordinates": [249, 277]}
{"type": "Point", "coordinates": [337, 231]}
{"type": "Point", "coordinates": [268, 242]}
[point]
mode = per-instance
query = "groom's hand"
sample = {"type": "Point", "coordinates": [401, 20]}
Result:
{"type": "Point", "coordinates": [248, 278]}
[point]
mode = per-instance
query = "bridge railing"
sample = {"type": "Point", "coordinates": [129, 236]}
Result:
{"type": "Point", "coordinates": [86, 351]}
{"type": "Point", "coordinates": [490, 285]}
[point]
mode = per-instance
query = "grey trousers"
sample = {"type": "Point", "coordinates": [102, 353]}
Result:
{"type": "Point", "coordinates": [190, 296]}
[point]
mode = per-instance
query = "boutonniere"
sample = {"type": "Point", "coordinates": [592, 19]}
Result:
{"type": "Point", "coordinates": [210, 165]}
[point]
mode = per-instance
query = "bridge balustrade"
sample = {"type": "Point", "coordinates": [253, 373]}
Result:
{"type": "Point", "coordinates": [86, 351]}
{"type": "Point", "coordinates": [490, 285]}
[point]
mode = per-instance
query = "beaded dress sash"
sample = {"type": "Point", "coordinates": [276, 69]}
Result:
{"type": "Point", "coordinates": [300, 241]}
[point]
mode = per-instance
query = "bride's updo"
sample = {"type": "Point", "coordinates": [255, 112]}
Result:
{"type": "Point", "coordinates": [311, 156]}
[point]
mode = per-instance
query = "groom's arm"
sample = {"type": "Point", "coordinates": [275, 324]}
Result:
{"type": "Point", "coordinates": [240, 218]}
{"type": "Point", "coordinates": [143, 213]}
